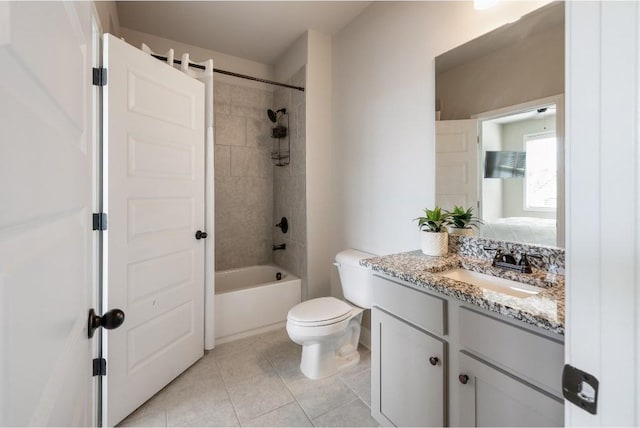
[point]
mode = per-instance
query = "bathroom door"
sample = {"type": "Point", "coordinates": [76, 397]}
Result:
{"type": "Point", "coordinates": [154, 197]}
{"type": "Point", "coordinates": [47, 264]}
{"type": "Point", "coordinates": [457, 163]}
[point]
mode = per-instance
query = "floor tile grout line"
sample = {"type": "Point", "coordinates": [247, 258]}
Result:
{"type": "Point", "coordinates": [353, 390]}
{"type": "Point", "coordinates": [266, 413]}
{"type": "Point", "coordinates": [266, 357]}
{"type": "Point", "coordinates": [339, 407]}
{"type": "Point", "coordinates": [233, 406]}
{"type": "Point", "coordinates": [338, 376]}
{"type": "Point", "coordinates": [291, 392]}
{"type": "Point", "coordinates": [272, 359]}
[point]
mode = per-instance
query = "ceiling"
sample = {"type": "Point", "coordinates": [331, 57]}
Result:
{"type": "Point", "coordinates": [540, 20]}
{"type": "Point", "coordinates": [257, 30]}
{"type": "Point", "coordinates": [549, 113]}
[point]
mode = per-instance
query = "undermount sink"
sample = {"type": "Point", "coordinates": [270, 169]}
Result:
{"type": "Point", "coordinates": [506, 286]}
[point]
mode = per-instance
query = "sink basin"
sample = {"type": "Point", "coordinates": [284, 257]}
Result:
{"type": "Point", "coordinates": [488, 282]}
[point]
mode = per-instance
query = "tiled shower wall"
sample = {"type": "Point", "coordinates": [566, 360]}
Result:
{"type": "Point", "coordinates": [243, 176]}
{"type": "Point", "coordinates": [289, 187]}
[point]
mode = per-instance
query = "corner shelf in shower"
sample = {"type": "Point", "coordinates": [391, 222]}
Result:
{"type": "Point", "coordinates": [281, 154]}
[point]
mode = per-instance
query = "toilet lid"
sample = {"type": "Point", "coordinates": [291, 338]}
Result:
{"type": "Point", "coordinates": [320, 310]}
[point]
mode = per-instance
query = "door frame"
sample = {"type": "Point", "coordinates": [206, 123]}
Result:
{"type": "Point", "coordinates": [603, 156]}
{"type": "Point", "coordinates": [559, 102]}
{"type": "Point", "coordinates": [96, 113]}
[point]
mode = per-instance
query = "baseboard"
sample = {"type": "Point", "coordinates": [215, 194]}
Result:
{"type": "Point", "coordinates": [365, 337]}
{"type": "Point", "coordinates": [252, 332]}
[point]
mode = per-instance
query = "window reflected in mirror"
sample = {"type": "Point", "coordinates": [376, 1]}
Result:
{"type": "Point", "coordinates": [519, 190]}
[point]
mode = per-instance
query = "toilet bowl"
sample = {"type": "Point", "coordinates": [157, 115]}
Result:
{"type": "Point", "coordinates": [328, 328]}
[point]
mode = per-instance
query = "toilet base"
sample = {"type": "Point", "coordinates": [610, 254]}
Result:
{"type": "Point", "coordinates": [324, 358]}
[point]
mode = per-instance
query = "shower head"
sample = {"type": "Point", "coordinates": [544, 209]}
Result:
{"type": "Point", "coordinates": [273, 115]}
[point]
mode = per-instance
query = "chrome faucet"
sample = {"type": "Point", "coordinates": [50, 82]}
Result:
{"type": "Point", "coordinates": [508, 261]}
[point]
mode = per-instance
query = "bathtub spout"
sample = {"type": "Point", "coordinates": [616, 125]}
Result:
{"type": "Point", "coordinates": [280, 247]}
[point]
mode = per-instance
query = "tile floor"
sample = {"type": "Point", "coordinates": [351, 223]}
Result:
{"type": "Point", "coordinates": [257, 382]}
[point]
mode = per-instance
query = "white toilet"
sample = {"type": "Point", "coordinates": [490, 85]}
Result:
{"type": "Point", "coordinates": [328, 328]}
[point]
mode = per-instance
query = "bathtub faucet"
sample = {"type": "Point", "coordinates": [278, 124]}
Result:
{"type": "Point", "coordinates": [280, 247]}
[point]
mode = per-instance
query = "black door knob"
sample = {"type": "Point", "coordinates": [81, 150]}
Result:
{"type": "Point", "coordinates": [434, 361]}
{"type": "Point", "coordinates": [201, 235]}
{"type": "Point", "coordinates": [110, 320]}
{"type": "Point", "coordinates": [463, 378]}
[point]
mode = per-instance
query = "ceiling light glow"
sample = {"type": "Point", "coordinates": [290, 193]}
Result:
{"type": "Point", "coordinates": [484, 4]}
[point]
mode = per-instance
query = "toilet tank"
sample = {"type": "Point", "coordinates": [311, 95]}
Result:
{"type": "Point", "coordinates": [356, 280]}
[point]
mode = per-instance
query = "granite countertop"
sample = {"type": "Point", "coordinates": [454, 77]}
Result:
{"type": "Point", "coordinates": [544, 310]}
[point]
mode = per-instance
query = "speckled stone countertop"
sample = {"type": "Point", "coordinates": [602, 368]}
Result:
{"type": "Point", "coordinates": [544, 310]}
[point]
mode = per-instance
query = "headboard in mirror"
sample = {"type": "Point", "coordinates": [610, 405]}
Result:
{"type": "Point", "coordinates": [500, 129]}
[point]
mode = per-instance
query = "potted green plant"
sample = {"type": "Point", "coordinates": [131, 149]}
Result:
{"type": "Point", "coordinates": [433, 230]}
{"type": "Point", "coordinates": [462, 222]}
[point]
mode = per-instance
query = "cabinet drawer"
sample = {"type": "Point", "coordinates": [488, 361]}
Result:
{"type": "Point", "coordinates": [424, 310]}
{"type": "Point", "coordinates": [531, 356]}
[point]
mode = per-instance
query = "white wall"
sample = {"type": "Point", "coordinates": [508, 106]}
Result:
{"type": "Point", "coordinates": [220, 60]}
{"type": "Point", "coordinates": [319, 162]}
{"type": "Point", "coordinates": [529, 70]}
{"type": "Point", "coordinates": [293, 59]}
{"type": "Point", "coordinates": [383, 110]}
{"type": "Point", "coordinates": [107, 12]}
{"type": "Point", "coordinates": [314, 49]}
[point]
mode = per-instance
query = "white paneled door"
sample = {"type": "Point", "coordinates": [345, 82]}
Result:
{"type": "Point", "coordinates": [47, 279]}
{"type": "Point", "coordinates": [154, 196]}
{"type": "Point", "coordinates": [457, 163]}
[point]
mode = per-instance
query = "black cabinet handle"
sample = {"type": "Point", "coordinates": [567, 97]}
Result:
{"type": "Point", "coordinates": [201, 235]}
{"type": "Point", "coordinates": [463, 378]}
{"type": "Point", "coordinates": [434, 361]}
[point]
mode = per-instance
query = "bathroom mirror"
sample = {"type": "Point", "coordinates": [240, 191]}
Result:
{"type": "Point", "coordinates": [500, 129]}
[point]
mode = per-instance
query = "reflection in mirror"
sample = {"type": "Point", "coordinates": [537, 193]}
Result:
{"type": "Point", "coordinates": [519, 185]}
{"type": "Point", "coordinates": [499, 129]}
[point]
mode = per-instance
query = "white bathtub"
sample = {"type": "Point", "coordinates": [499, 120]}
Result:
{"type": "Point", "coordinates": [251, 300]}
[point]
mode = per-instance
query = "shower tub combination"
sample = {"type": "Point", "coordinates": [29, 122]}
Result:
{"type": "Point", "coordinates": [253, 300]}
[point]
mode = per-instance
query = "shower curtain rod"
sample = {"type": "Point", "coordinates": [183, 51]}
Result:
{"type": "Point", "coordinates": [231, 73]}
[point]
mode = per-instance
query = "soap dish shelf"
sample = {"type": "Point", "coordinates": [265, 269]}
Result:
{"type": "Point", "coordinates": [281, 154]}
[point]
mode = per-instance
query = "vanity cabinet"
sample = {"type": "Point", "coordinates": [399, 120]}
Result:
{"type": "Point", "coordinates": [437, 361]}
{"type": "Point", "coordinates": [491, 397]}
{"type": "Point", "coordinates": [409, 371]}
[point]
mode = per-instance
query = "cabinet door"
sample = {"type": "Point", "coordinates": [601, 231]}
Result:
{"type": "Point", "coordinates": [492, 398]}
{"type": "Point", "coordinates": [408, 388]}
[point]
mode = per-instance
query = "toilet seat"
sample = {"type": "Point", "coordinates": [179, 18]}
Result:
{"type": "Point", "coordinates": [319, 312]}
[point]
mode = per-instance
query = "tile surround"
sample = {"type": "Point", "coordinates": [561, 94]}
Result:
{"type": "Point", "coordinates": [250, 191]}
{"type": "Point", "coordinates": [243, 176]}
{"type": "Point", "coordinates": [290, 184]}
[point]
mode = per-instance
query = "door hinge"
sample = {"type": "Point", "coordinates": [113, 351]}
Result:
{"type": "Point", "coordinates": [99, 221]}
{"type": "Point", "coordinates": [99, 367]}
{"type": "Point", "coordinates": [99, 76]}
